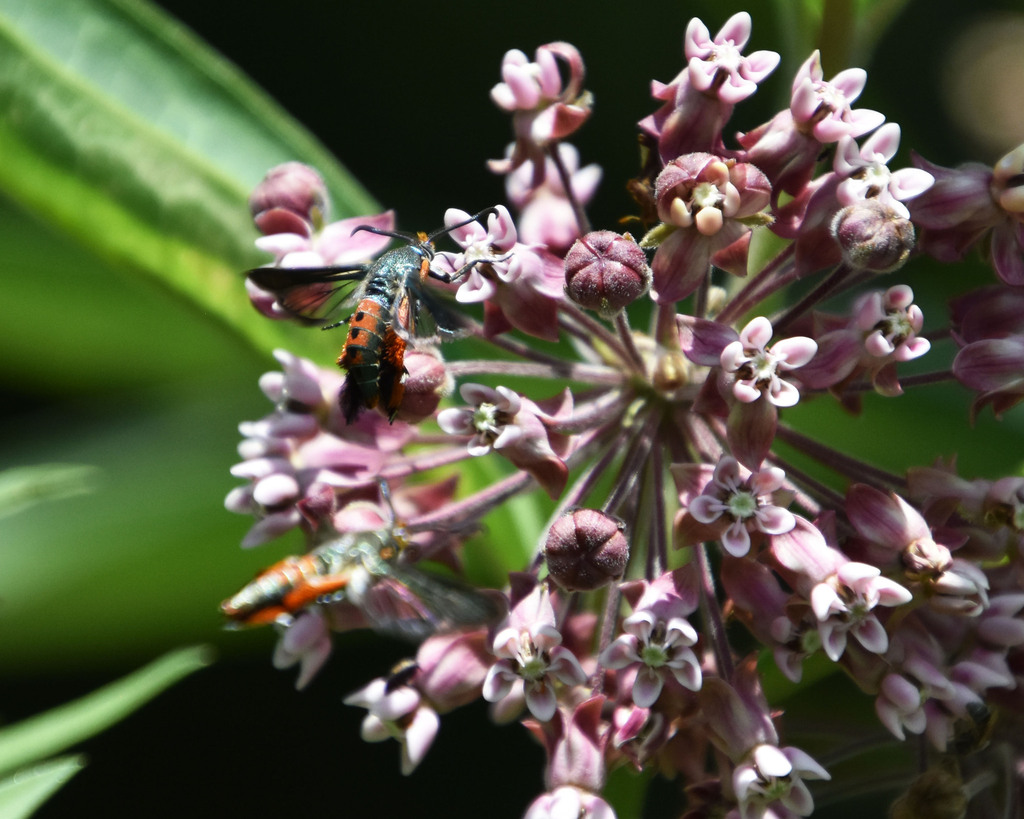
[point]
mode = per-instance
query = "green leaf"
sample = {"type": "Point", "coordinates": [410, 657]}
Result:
{"type": "Point", "coordinates": [626, 790]}
{"type": "Point", "coordinates": [145, 558]}
{"type": "Point", "coordinates": [22, 793]}
{"type": "Point", "coordinates": [38, 737]}
{"type": "Point", "coordinates": [147, 167]}
{"type": "Point", "coordinates": [22, 487]}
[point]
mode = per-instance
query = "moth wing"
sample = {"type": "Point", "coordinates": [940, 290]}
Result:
{"type": "Point", "coordinates": [391, 607]}
{"type": "Point", "coordinates": [413, 604]}
{"type": "Point", "coordinates": [429, 317]}
{"type": "Point", "coordinates": [313, 295]}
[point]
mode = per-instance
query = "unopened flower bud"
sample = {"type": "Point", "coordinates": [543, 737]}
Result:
{"type": "Point", "coordinates": [586, 549]}
{"type": "Point", "coordinates": [292, 198]}
{"type": "Point", "coordinates": [605, 271]}
{"type": "Point", "coordinates": [426, 383]}
{"type": "Point", "coordinates": [873, 236]}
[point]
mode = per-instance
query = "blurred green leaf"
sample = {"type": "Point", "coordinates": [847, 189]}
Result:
{"type": "Point", "coordinates": [144, 560]}
{"type": "Point", "coordinates": [846, 32]}
{"type": "Point", "coordinates": [25, 486]}
{"type": "Point", "coordinates": [22, 793]}
{"type": "Point", "coordinates": [148, 167]}
{"type": "Point", "coordinates": [71, 325]}
{"type": "Point", "coordinates": [38, 737]}
{"type": "Point", "coordinates": [626, 790]}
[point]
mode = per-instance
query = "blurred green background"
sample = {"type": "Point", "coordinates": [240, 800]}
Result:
{"type": "Point", "coordinates": [128, 345]}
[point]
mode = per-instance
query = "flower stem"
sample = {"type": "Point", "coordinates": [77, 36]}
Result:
{"type": "Point", "coordinates": [759, 286]}
{"type": "Point", "coordinates": [713, 613]}
{"type": "Point", "coordinates": [842, 278]}
{"type": "Point", "coordinates": [837, 461]}
{"type": "Point", "coordinates": [576, 322]}
{"type": "Point", "coordinates": [592, 373]}
{"type": "Point", "coordinates": [626, 335]}
{"type": "Point", "coordinates": [582, 222]}
{"type": "Point", "coordinates": [455, 515]}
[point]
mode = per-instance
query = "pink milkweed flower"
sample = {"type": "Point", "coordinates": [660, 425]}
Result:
{"type": "Point", "coordinates": [493, 245]}
{"type": "Point", "coordinates": [490, 418]}
{"type": "Point", "coordinates": [736, 502]}
{"type": "Point", "coordinates": [843, 605]}
{"type": "Point", "coordinates": [699, 101]}
{"type": "Point", "coordinates": [304, 639]}
{"type": "Point", "coordinates": [757, 367]}
{"type": "Point", "coordinates": [530, 653]}
{"type": "Point", "coordinates": [770, 782]}
{"type": "Point", "coordinates": [282, 486]}
{"type": "Point", "coordinates": [882, 331]}
{"type": "Point", "coordinates": [514, 426]}
{"type": "Point", "coordinates": [787, 148]}
{"type": "Point", "coordinates": [298, 456]}
{"type": "Point", "coordinates": [706, 204]}
{"type": "Point", "coordinates": [300, 383]}
{"type": "Point", "coordinates": [569, 803]}
{"type": "Point", "coordinates": [972, 204]}
{"type": "Point", "coordinates": [520, 285]}
{"type": "Point", "coordinates": [824, 109]}
{"type": "Point", "coordinates": [546, 216]}
{"type": "Point", "coordinates": [903, 699]}
{"type": "Point", "coordinates": [335, 244]}
{"type": "Point", "coordinates": [544, 110]}
{"type": "Point", "coordinates": [823, 231]}
{"type": "Point", "coordinates": [716, 66]}
{"type": "Point", "coordinates": [866, 175]}
{"type": "Point", "coordinates": [657, 638]}
{"type": "Point", "coordinates": [750, 370]}
{"type": "Point", "coordinates": [894, 529]}
{"type": "Point", "coordinates": [891, 323]}
{"type": "Point", "coordinates": [397, 712]}
{"type": "Point", "coordinates": [994, 311]}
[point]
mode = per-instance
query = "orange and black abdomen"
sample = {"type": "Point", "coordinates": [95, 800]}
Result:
{"type": "Point", "coordinates": [374, 354]}
{"type": "Point", "coordinates": [285, 588]}
{"type": "Point", "coordinates": [370, 332]}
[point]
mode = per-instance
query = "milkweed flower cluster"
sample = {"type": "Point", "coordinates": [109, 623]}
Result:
{"type": "Point", "coordinates": [675, 509]}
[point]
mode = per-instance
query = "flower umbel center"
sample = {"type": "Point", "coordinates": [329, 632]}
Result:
{"type": "Point", "coordinates": [776, 788]}
{"type": "Point", "coordinates": [896, 327]}
{"type": "Point", "coordinates": [742, 505]}
{"type": "Point", "coordinates": [485, 419]}
{"type": "Point", "coordinates": [706, 195]}
{"type": "Point", "coordinates": [533, 664]}
{"type": "Point", "coordinates": [654, 655]}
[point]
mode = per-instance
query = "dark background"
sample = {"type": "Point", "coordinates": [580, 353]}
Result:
{"type": "Point", "coordinates": [400, 93]}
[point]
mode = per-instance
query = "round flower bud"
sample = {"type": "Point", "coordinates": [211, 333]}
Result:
{"type": "Point", "coordinates": [586, 549]}
{"type": "Point", "coordinates": [605, 271]}
{"type": "Point", "coordinates": [426, 383]}
{"type": "Point", "coordinates": [292, 198]}
{"type": "Point", "coordinates": [873, 236]}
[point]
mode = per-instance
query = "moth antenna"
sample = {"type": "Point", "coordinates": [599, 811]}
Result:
{"type": "Point", "coordinates": [412, 238]}
{"type": "Point", "coordinates": [474, 218]}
